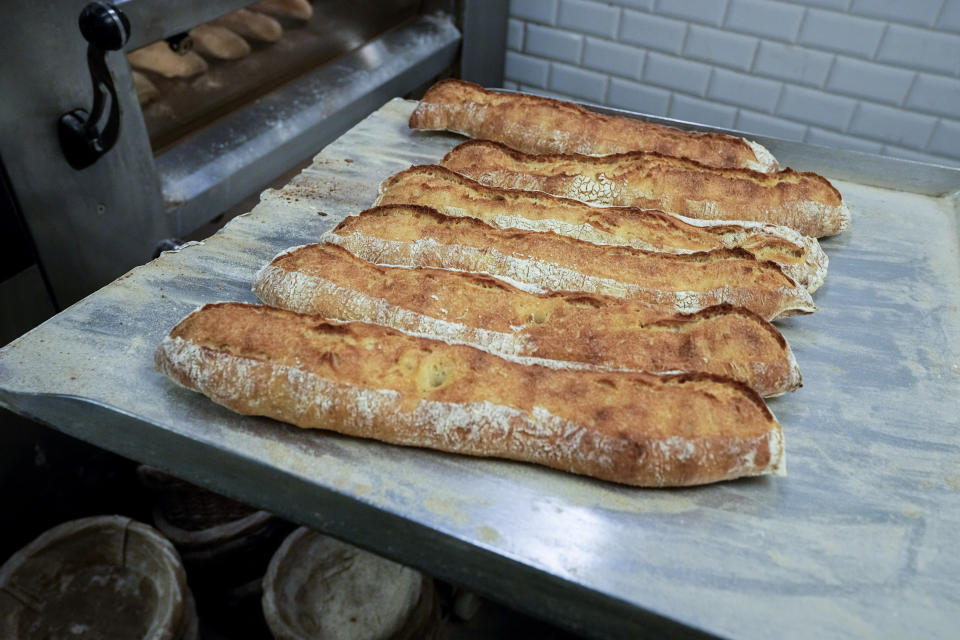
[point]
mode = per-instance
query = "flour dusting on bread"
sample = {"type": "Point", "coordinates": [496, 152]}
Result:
{"type": "Point", "coordinates": [537, 275]}
{"type": "Point", "coordinates": [295, 291]}
{"type": "Point", "coordinates": [238, 377]}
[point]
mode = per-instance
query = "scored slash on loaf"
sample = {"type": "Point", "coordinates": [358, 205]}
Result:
{"type": "Point", "coordinates": [805, 202]}
{"type": "Point", "coordinates": [453, 194]}
{"type": "Point", "coordinates": [374, 382]}
{"type": "Point", "coordinates": [416, 236]}
{"type": "Point", "coordinates": [543, 125]}
{"type": "Point", "coordinates": [326, 280]}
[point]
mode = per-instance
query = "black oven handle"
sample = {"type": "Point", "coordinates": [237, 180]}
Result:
{"type": "Point", "coordinates": [106, 28]}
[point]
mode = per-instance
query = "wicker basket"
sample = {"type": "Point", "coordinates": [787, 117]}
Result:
{"type": "Point", "coordinates": [318, 587]}
{"type": "Point", "coordinates": [223, 543]}
{"type": "Point", "coordinates": [190, 508]}
{"type": "Point", "coordinates": [105, 576]}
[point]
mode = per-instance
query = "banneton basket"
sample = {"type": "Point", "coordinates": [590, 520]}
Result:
{"type": "Point", "coordinates": [206, 527]}
{"type": "Point", "coordinates": [99, 577]}
{"type": "Point", "coordinates": [188, 507]}
{"type": "Point", "coordinates": [466, 604]}
{"type": "Point", "coordinates": [317, 587]}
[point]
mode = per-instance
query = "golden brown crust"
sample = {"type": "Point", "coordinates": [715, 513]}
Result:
{"type": "Point", "coordinates": [408, 235]}
{"type": "Point", "coordinates": [252, 25]}
{"type": "Point", "coordinates": [215, 41]}
{"type": "Point", "coordinates": [454, 194]}
{"type": "Point", "coordinates": [326, 280]}
{"type": "Point", "coordinates": [543, 125]}
{"type": "Point", "coordinates": [373, 382]}
{"type": "Point", "coordinates": [805, 202]}
{"type": "Point", "coordinates": [158, 57]}
{"type": "Point", "coordinates": [298, 9]}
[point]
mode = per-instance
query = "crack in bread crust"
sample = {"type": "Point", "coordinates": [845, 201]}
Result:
{"type": "Point", "coordinates": [414, 236]}
{"type": "Point", "coordinates": [799, 256]}
{"type": "Point", "coordinates": [373, 382]}
{"type": "Point", "coordinates": [591, 331]}
{"type": "Point", "coordinates": [805, 202]}
{"type": "Point", "coordinates": [543, 125]}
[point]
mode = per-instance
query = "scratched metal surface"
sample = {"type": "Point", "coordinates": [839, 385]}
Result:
{"type": "Point", "coordinates": [859, 540]}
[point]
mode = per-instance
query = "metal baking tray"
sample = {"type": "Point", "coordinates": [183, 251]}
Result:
{"type": "Point", "coordinates": [859, 540]}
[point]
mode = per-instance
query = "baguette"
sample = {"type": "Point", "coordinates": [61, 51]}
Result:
{"type": "Point", "coordinates": [374, 382]}
{"type": "Point", "coordinates": [803, 201]}
{"type": "Point", "coordinates": [146, 90]}
{"type": "Point", "coordinates": [215, 41]}
{"type": "Point", "coordinates": [160, 58]}
{"type": "Point", "coordinates": [298, 9]}
{"type": "Point", "coordinates": [543, 125]}
{"type": "Point", "coordinates": [453, 194]}
{"type": "Point", "coordinates": [326, 280]}
{"type": "Point", "coordinates": [252, 25]}
{"type": "Point", "coordinates": [415, 236]}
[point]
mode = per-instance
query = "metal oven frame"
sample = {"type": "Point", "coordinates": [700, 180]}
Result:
{"type": "Point", "coordinates": [92, 225]}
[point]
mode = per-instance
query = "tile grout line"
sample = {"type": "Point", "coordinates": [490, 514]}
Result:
{"type": "Point", "coordinates": [643, 65]}
{"type": "Point", "coordinates": [853, 115]}
{"type": "Point", "coordinates": [826, 78]}
{"type": "Point", "coordinates": [783, 93]}
{"type": "Point", "coordinates": [936, 18]}
{"type": "Point", "coordinates": [906, 96]}
{"type": "Point", "coordinates": [803, 21]}
{"type": "Point", "coordinates": [726, 14]}
{"type": "Point", "coordinates": [933, 130]}
{"type": "Point", "coordinates": [883, 36]}
{"type": "Point", "coordinates": [776, 104]}
{"type": "Point", "coordinates": [754, 57]}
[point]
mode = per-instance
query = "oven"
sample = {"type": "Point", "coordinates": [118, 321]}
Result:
{"type": "Point", "coordinates": [186, 149]}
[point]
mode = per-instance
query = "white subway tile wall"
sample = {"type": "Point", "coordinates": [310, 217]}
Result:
{"type": "Point", "coordinates": [613, 58]}
{"type": "Point", "coordinates": [871, 75]}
